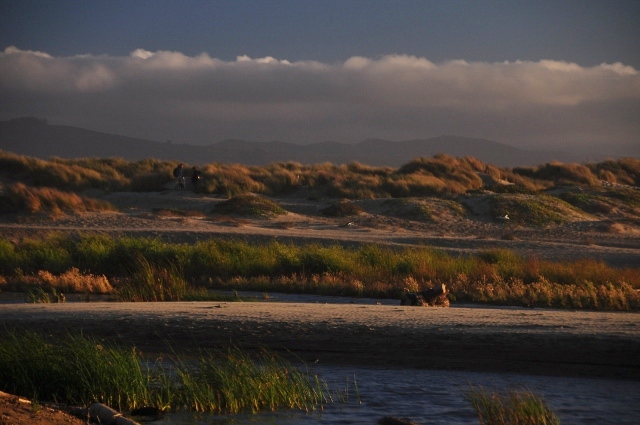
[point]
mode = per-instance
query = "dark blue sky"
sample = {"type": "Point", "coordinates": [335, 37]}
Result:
{"type": "Point", "coordinates": [554, 74]}
{"type": "Point", "coordinates": [588, 32]}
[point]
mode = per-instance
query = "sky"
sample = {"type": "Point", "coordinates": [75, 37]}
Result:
{"type": "Point", "coordinates": [539, 74]}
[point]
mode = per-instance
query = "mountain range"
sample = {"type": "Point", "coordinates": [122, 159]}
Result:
{"type": "Point", "coordinates": [35, 137]}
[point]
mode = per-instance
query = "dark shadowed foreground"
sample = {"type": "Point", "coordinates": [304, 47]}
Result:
{"type": "Point", "coordinates": [512, 340]}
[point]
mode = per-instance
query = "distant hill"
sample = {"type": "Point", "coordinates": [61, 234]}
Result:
{"type": "Point", "coordinates": [35, 137]}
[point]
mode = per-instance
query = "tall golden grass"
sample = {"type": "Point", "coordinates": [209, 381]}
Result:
{"type": "Point", "coordinates": [440, 175]}
{"type": "Point", "coordinates": [73, 281]}
{"type": "Point", "coordinates": [18, 197]}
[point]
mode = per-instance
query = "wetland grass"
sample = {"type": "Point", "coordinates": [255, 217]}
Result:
{"type": "Point", "coordinates": [145, 269]}
{"type": "Point", "coordinates": [516, 407]}
{"type": "Point", "coordinates": [78, 371]}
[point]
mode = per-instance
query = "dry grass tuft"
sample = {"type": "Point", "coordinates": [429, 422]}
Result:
{"type": "Point", "coordinates": [71, 281]}
{"type": "Point", "coordinates": [343, 208]}
{"type": "Point", "coordinates": [250, 205]}
{"type": "Point", "coordinates": [19, 198]}
{"type": "Point", "coordinates": [171, 212]}
{"type": "Point", "coordinates": [617, 228]}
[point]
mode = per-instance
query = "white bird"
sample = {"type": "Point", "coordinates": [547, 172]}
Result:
{"type": "Point", "coordinates": [505, 217]}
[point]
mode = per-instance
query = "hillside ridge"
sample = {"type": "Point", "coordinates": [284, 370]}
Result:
{"type": "Point", "coordinates": [35, 137]}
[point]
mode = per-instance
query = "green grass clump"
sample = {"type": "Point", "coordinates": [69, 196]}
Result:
{"type": "Point", "coordinates": [517, 407]}
{"type": "Point", "coordinates": [421, 209]}
{"type": "Point", "coordinates": [156, 283]}
{"type": "Point", "coordinates": [233, 382]}
{"type": "Point", "coordinates": [151, 282]}
{"type": "Point", "coordinates": [250, 205]}
{"type": "Point", "coordinates": [531, 210]}
{"type": "Point", "coordinates": [39, 295]}
{"type": "Point", "coordinates": [342, 209]}
{"type": "Point", "coordinates": [78, 371]}
{"type": "Point", "coordinates": [410, 208]}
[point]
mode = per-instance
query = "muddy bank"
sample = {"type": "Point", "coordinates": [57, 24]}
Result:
{"type": "Point", "coordinates": [512, 340]}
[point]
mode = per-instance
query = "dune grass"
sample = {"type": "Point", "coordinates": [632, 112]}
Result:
{"type": "Point", "coordinates": [516, 407]}
{"type": "Point", "coordinates": [19, 198]}
{"type": "Point", "coordinates": [536, 210]}
{"type": "Point", "coordinates": [343, 208]}
{"type": "Point", "coordinates": [152, 269]}
{"type": "Point", "coordinates": [249, 205]}
{"type": "Point", "coordinates": [78, 370]}
{"type": "Point", "coordinates": [441, 175]}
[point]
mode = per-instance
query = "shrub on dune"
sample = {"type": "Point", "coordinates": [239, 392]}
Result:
{"type": "Point", "coordinates": [18, 198]}
{"type": "Point", "coordinates": [249, 205]}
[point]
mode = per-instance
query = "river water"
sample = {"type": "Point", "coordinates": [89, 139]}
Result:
{"type": "Point", "coordinates": [438, 397]}
{"type": "Point", "coordinates": [432, 396]}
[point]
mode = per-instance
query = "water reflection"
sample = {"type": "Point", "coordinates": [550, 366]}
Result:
{"type": "Point", "coordinates": [437, 397]}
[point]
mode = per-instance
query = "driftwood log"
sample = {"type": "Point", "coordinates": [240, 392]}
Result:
{"type": "Point", "coordinates": [434, 297]}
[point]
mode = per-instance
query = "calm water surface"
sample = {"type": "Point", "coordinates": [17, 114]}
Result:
{"type": "Point", "coordinates": [437, 397]}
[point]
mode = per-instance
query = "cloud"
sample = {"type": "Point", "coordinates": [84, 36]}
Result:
{"type": "Point", "coordinates": [164, 94]}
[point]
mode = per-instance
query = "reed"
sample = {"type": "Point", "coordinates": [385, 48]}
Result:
{"type": "Point", "coordinates": [232, 381]}
{"type": "Point", "coordinates": [78, 370]}
{"type": "Point", "coordinates": [151, 282]}
{"type": "Point", "coordinates": [516, 407]}
{"type": "Point", "coordinates": [152, 269]}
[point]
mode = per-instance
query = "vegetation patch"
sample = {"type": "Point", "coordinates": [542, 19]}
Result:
{"type": "Point", "coordinates": [622, 171]}
{"type": "Point", "coordinates": [511, 188]}
{"type": "Point", "coordinates": [172, 212]}
{"type": "Point", "coordinates": [513, 407]}
{"type": "Point", "coordinates": [343, 208]}
{"type": "Point", "coordinates": [424, 209]}
{"type": "Point", "coordinates": [627, 196]}
{"type": "Point", "coordinates": [441, 175]}
{"type": "Point", "coordinates": [79, 371]}
{"type": "Point", "coordinates": [410, 208]}
{"type": "Point", "coordinates": [592, 203]}
{"type": "Point", "coordinates": [152, 269]}
{"type": "Point", "coordinates": [529, 210]}
{"type": "Point", "coordinates": [18, 198]}
{"type": "Point", "coordinates": [249, 205]}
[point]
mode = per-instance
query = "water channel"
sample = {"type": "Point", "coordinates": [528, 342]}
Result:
{"type": "Point", "coordinates": [436, 397]}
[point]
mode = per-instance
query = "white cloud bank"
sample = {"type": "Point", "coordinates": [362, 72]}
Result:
{"type": "Point", "coordinates": [167, 95]}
